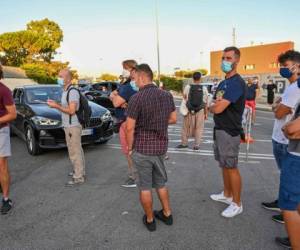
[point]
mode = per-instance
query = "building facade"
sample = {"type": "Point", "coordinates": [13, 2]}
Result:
{"type": "Point", "coordinates": [256, 61]}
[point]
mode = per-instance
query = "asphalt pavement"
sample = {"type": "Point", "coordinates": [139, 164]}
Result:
{"type": "Point", "coordinates": [102, 215]}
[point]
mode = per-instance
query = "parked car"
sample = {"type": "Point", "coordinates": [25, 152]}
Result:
{"type": "Point", "coordinates": [100, 92]}
{"type": "Point", "coordinates": [40, 126]}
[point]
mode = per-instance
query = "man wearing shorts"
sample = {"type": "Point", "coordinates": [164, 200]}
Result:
{"type": "Point", "coordinates": [228, 109]}
{"type": "Point", "coordinates": [7, 114]}
{"type": "Point", "coordinates": [149, 113]}
{"type": "Point", "coordinates": [252, 93]}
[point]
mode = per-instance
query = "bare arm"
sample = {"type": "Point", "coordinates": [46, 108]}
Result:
{"type": "Point", "coordinates": [71, 109]}
{"type": "Point", "coordinates": [130, 127]}
{"type": "Point", "coordinates": [173, 118]}
{"type": "Point", "coordinates": [292, 129]}
{"type": "Point", "coordinates": [10, 116]}
{"type": "Point", "coordinates": [281, 111]}
{"type": "Point", "coordinates": [117, 101]}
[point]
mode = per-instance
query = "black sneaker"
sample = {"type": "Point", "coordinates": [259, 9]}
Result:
{"type": "Point", "coordinates": [130, 183]}
{"type": "Point", "coordinates": [150, 226]}
{"type": "Point", "coordinates": [278, 218]}
{"type": "Point", "coordinates": [182, 146]}
{"type": "Point", "coordinates": [160, 216]}
{"type": "Point", "coordinates": [196, 148]}
{"type": "Point", "coordinates": [273, 206]}
{"type": "Point", "coordinates": [284, 242]}
{"type": "Point", "coordinates": [6, 206]}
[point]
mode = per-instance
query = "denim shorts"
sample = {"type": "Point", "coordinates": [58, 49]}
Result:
{"type": "Point", "coordinates": [5, 148]}
{"type": "Point", "coordinates": [280, 152]}
{"type": "Point", "coordinates": [289, 191]}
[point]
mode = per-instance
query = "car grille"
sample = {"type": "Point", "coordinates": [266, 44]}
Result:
{"type": "Point", "coordinates": [95, 122]}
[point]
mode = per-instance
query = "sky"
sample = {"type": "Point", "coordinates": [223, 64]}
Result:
{"type": "Point", "coordinates": [100, 34]}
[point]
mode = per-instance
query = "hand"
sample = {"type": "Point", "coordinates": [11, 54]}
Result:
{"type": "Point", "coordinates": [124, 106]}
{"type": "Point", "coordinates": [205, 116]}
{"type": "Point", "coordinates": [53, 104]}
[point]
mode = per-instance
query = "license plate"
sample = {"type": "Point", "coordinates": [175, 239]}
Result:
{"type": "Point", "coordinates": [87, 132]}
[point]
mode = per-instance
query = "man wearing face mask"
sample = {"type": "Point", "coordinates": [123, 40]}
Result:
{"type": "Point", "coordinates": [284, 110]}
{"type": "Point", "coordinates": [120, 99]}
{"type": "Point", "coordinates": [71, 124]}
{"type": "Point", "coordinates": [228, 108]}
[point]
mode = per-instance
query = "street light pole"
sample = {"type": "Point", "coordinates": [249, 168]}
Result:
{"type": "Point", "coordinates": [157, 41]}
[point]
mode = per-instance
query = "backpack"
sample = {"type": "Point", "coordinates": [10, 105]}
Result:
{"type": "Point", "coordinates": [84, 112]}
{"type": "Point", "coordinates": [195, 99]}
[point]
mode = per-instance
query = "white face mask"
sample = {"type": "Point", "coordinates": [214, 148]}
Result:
{"type": "Point", "coordinates": [126, 73]}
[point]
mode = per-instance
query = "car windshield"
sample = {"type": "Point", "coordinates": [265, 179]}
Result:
{"type": "Point", "coordinates": [41, 95]}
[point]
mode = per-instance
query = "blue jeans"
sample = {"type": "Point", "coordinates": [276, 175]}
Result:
{"type": "Point", "coordinates": [280, 152]}
{"type": "Point", "coordinates": [289, 191]}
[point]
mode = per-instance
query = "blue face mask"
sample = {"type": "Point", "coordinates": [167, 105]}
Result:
{"type": "Point", "coordinates": [133, 86]}
{"type": "Point", "coordinates": [226, 66]}
{"type": "Point", "coordinates": [298, 82]}
{"type": "Point", "coordinates": [60, 82]}
{"type": "Point", "coordinates": [285, 72]}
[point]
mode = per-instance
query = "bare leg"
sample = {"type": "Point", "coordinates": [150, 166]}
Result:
{"type": "Point", "coordinates": [146, 201]}
{"type": "Point", "coordinates": [130, 167]}
{"type": "Point", "coordinates": [235, 184]}
{"type": "Point", "coordinates": [292, 224]}
{"type": "Point", "coordinates": [163, 195]}
{"type": "Point", "coordinates": [4, 177]}
{"type": "Point", "coordinates": [227, 185]}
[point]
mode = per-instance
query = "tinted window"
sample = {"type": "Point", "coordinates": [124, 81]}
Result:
{"type": "Point", "coordinates": [41, 95]}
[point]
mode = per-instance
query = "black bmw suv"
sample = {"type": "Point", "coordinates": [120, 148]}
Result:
{"type": "Point", "coordinates": [40, 126]}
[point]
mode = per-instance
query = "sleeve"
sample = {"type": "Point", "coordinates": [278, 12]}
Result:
{"type": "Point", "coordinates": [134, 108]}
{"type": "Point", "coordinates": [233, 92]}
{"type": "Point", "coordinates": [126, 92]}
{"type": "Point", "coordinates": [7, 98]}
{"type": "Point", "coordinates": [172, 104]}
{"type": "Point", "coordinates": [291, 98]}
{"type": "Point", "coordinates": [186, 90]}
{"type": "Point", "coordinates": [74, 96]}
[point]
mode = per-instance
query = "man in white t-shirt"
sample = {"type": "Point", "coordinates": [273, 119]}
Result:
{"type": "Point", "coordinates": [284, 110]}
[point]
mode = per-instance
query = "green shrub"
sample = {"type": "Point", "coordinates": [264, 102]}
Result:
{"type": "Point", "coordinates": [171, 83]}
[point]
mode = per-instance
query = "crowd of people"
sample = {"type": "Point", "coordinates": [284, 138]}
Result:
{"type": "Point", "coordinates": [144, 112]}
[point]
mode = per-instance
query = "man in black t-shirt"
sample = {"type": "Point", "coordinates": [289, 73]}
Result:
{"type": "Point", "coordinates": [228, 108]}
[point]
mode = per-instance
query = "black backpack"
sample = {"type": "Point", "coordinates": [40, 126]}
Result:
{"type": "Point", "coordinates": [195, 99]}
{"type": "Point", "coordinates": [84, 112]}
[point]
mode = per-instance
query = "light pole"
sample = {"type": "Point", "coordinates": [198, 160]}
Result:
{"type": "Point", "coordinates": [157, 41]}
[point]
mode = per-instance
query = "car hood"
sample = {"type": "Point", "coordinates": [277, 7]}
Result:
{"type": "Point", "coordinates": [45, 111]}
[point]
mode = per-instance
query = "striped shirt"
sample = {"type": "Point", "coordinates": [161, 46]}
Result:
{"type": "Point", "coordinates": [151, 108]}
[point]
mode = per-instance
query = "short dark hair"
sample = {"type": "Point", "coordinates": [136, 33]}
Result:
{"type": "Point", "coordinates": [236, 51]}
{"type": "Point", "coordinates": [197, 76]}
{"type": "Point", "coordinates": [290, 55]}
{"type": "Point", "coordinates": [1, 72]}
{"type": "Point", "coordinates": [145, 68]}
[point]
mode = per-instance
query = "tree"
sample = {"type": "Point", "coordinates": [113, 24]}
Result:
{"type": "Point", "coordinates": [38, 43]}
{"type": "Point", "coordinates": [50, 35]}
{"type": "Point", "coordinates": [189, 73]}
{"type": "Point", "coordinates": [108, 77]}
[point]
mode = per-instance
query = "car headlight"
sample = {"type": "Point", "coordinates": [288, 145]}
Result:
{"type": "Point", "coordinates": [106, 117]}
{"type": "Point", "coordinates": [43, 121]}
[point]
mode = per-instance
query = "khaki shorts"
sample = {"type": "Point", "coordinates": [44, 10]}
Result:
{"type": "Point", "coordinates": [226, 149]}
{"type": "Point", "coordinates": [5, 147]}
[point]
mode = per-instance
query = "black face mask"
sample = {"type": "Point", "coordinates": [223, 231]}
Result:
{"type": "Point", "coordinates": [298, 82]}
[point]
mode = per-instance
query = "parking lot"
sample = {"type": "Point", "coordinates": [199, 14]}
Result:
{"type": "Point", "coordinates": [102, 215]}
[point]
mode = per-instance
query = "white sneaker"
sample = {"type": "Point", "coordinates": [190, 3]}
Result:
{"type": "Point", "coordinates": [221, 198]}
{"type": "Point", "coordinates": [232, 210]}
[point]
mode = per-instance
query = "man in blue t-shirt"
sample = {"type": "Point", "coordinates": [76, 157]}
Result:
{"type": "Point", "coordinates": [228, 108]}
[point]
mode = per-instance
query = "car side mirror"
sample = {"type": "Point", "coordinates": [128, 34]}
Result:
{"type": "Point", "coordinates": [89, 97]}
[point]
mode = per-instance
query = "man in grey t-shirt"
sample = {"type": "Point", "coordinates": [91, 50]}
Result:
{"type": "Point", "coordinates": [71, 125]}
